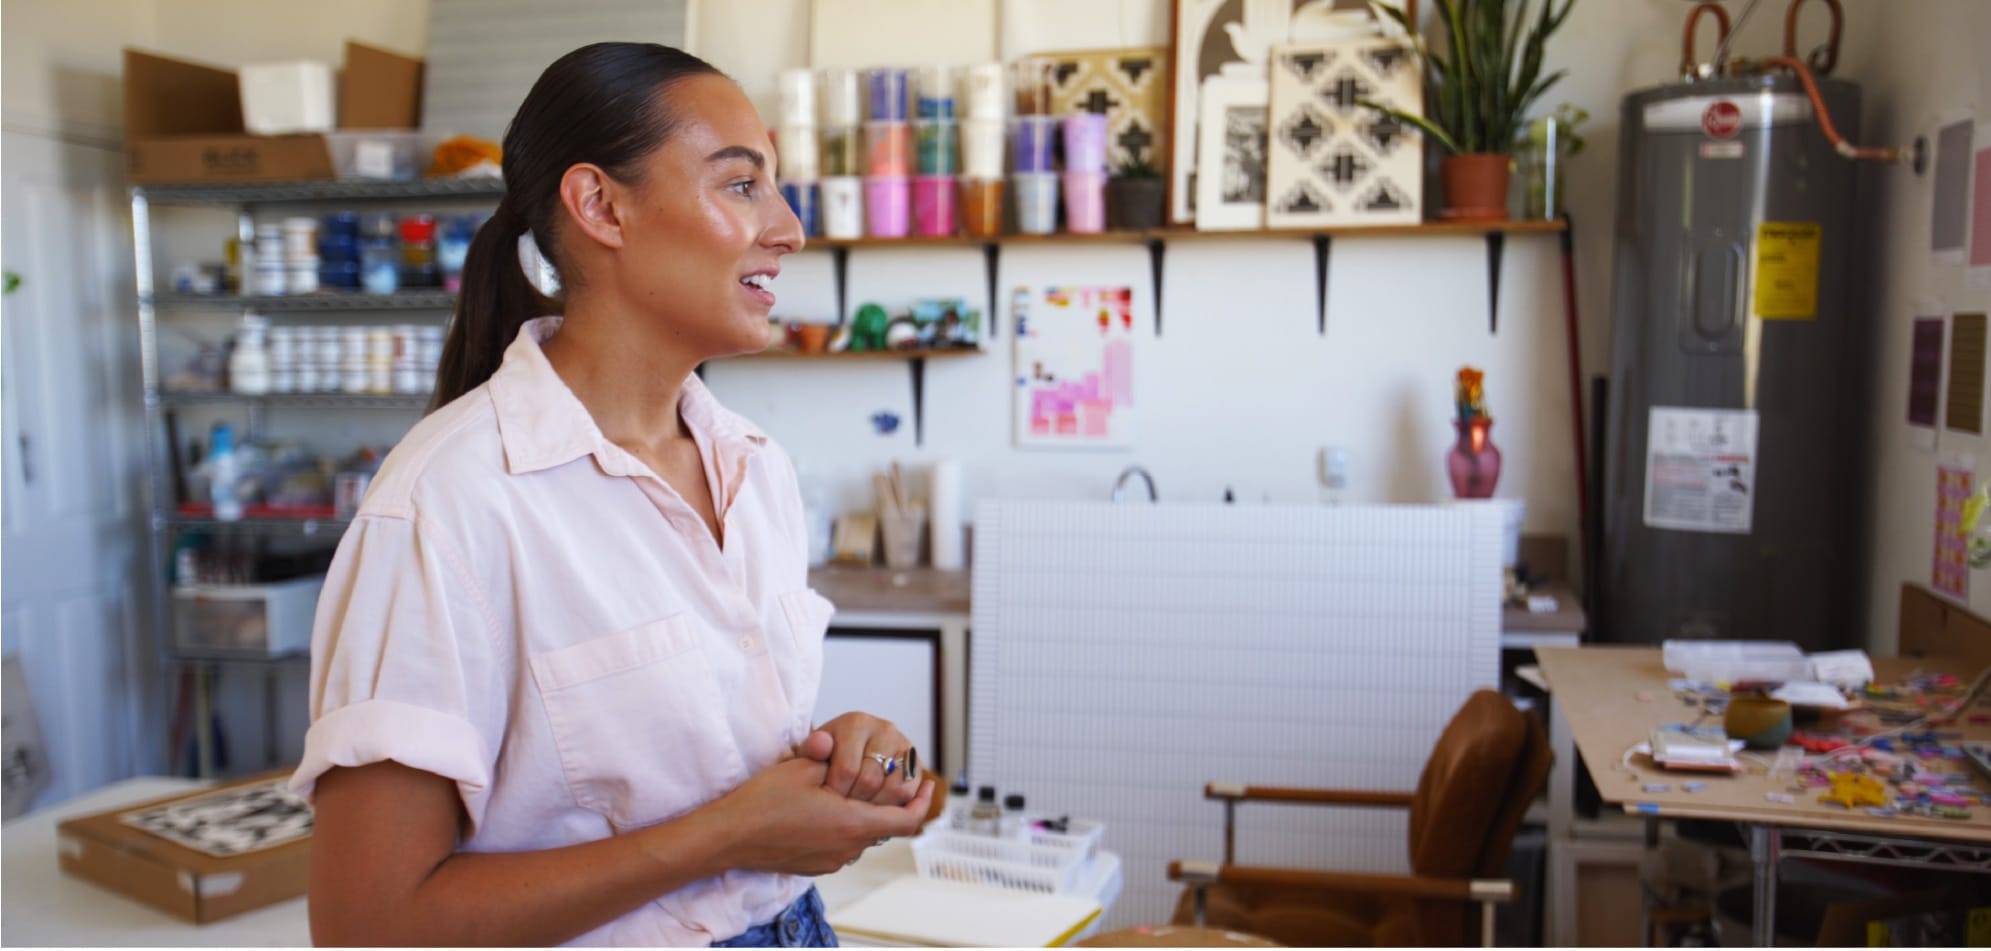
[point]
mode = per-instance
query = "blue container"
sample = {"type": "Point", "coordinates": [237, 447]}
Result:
{"type": "Point", "coordinates": [341, 224]}
{"type": "Point", "coordinates": [936, 107]}
{"type": "Point", "coordinates": [338, 275]}
{"type": "Point", "coordinates": [887, 94]}
{"type": "Point", "coordinates": [380, 266]}
{"type": "Point", "coordinates": [804, 199]}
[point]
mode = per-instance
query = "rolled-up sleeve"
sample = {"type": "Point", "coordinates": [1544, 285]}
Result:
{"type": "Point", "coordinates": [403, 663]}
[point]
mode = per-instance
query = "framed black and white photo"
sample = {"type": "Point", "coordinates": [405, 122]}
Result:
{"type": "Point", "coordinates": [1231, 155]}
{"type": "Point", "coordinates": [1212, 39]}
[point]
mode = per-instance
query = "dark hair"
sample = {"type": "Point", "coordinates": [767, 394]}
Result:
{"type": "Point", "coordinates": [601, 104]}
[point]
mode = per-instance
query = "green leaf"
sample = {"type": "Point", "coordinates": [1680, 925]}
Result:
{"type": "Point", "coordinates": [13, 281]}
{"type": "Point", "coordinates": [1424, 125]}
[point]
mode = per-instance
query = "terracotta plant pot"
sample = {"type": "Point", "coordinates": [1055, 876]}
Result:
{"type": "Point", "coordinates": [1134, 204]}
{"type": "Point", "coordinates": [1475, 186]}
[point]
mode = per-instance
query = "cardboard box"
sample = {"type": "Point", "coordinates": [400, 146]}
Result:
{"type": "Point", "coordinates": [183, 882]}
{"type": "Point", "coordinates": [183, 120]}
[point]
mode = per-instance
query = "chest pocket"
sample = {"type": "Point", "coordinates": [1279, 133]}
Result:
{"type": "Point", "coordinates": [805, 616]}
{"type": "Point", "coordinates": [638, 722]}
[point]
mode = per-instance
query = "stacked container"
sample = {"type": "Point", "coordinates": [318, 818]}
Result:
{"type": "Point", "coordinates": [419, 266]}
{"type": "Point", "coordinates": [300, 255]}
{"type": "Point", "coordinates": [888, 145]}
{"type": "Point", "coordinates": [1035, 132]}
{"type": "Point", "coordinates": [338, 251]}
{"type": "Point", "coordinates": [797, 145]}
{"type": "Point", "coordinates": [936, 139]}
{"type": "Point", "coordinates": [1085, 172]}
{"type": "Point", "coordinates": [379, 257]}
{"type": "Point", "coordinates": [267, 270]}
{"type": "Point", "coordinates": [985, 109]}
{"type": "Point", "coordinates": [841, 191]}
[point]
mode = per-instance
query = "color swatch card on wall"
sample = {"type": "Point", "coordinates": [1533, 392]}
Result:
{"type": "Point", "coordinates": [1951, 574]}
{"type": "Point", "coordinates": [1949, 207]}
{"type": "Point", "coordinates": [1980, 210]}
{"type": "Point", "coordinates": [1334, 161]}
{"type": "Point", "coordinates": [1925, 376]}
{"type": "Point", "coordinates": [1963, 407]}
{"type": "Point", "coordinates": [1074, 367]}
{"type": "Point", "coordinates": [1129, 87]}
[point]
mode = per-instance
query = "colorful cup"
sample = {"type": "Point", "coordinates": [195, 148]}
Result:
{"type": "Point", "coordinates": [984, 93]}
{"type": "Point", "coordinates": [888, 148]}
{"type": "Point", "coordinates": [885, 207]}
{"type": "Point", "coordinates": [798, 148]}
{"type": "Point", "coordinates": [798, 97]}
{"type": "Point", "coordinates": [933, 206]}
{"type": "Point", "coordinates": [1036, 202]}
{"type": "Point", "coordinates": [843, 207]}
{"type": "Point", "coordinates": [802, 199]}
{"type": "Point", "coordinates": [841, 151]}
{"type": "Point", "coordinates": [1035, 150]}
{"type": "Point", "coordinates": [938, 144]}
{"type": "Point", "coordinates": [1085, 142]}
{"type": "Point", "coordinates": [981, 206]}
{"type": "Point", "coordinates": [886, 91]}
{"type": "Point", "coordinates": [1031, 81]}
{"type": "Point", "coordinates": [981, 148]}
{"type": "Point", "coordinates": [936, 92]}
{"type": "Point", "coordinates": [841, 104]}
{"type": "Point", "coordinates": [1085, 202]}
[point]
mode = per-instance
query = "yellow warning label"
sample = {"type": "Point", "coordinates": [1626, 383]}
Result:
{"type": "Point", "coordinates": [1787, 270]}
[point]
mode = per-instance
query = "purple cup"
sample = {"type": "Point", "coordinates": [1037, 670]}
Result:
{"type": "Point", "coordinates": [885, 207]}
{"type": "Point", "coordinates": [1035, 148]}
{"type": "Point", "coordinates": [1085, 142]}
{"type": "Point", "coordinates": [933, 206]}
{"type": "Point", "coordinates": [1085, 202]}
{"type": "Point", "coordinates": [887, 93]}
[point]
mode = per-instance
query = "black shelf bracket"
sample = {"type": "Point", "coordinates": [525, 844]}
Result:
{"type": "Point", "coordinates": [840, 265]}
{"type": "Point", "coordinates": [1496, 244]}
{"type": "Point", "coordinates": [1157, 248]}
{"type": "Point", "coordinates": [916, 367]}
{"type": "Point", "coordinates": [991, 267]}
{"type": "Point", "coordinates": [1322, 245]}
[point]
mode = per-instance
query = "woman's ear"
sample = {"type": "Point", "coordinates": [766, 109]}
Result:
{"type": "Point", "coordinates": [591, 197]}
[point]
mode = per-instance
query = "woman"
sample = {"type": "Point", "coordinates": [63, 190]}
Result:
{"type": "Point", "coordinates": [566, 656]}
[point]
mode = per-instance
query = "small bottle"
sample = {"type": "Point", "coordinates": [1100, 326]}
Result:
{"type": "Point", "coordinates": [986, 819]}
{"type": "Point", "coordinates": [249, 364]}
{"type": "Point", "coordinates": [379, 255]}
{"type": "Point", "coordinates": [958, 806]}
{"type": "Point", "coordinates": [1012, 818]}
{"type": "Point", "coordinates": [222, 474]}
{"type": "Point", "coordinates": [418, 252]}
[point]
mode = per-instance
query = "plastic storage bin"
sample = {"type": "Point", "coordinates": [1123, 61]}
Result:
{"type": "Point", "coordinates": [381, 154]}
{"type": "Point", "coordinates": [264, 620]}
{"type": "Point", "coordinates": [1000, 863]}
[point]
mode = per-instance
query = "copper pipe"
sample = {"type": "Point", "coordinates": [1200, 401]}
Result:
{"type": "Point", "coordinates": [1687, 58]}
{"type": "Point", "coordinates": [1839, 143]}
{"type": "Point", "coordinates": [1824, 58]}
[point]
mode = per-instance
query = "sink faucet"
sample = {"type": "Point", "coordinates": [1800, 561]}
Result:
{"type": "Point", "coordinates": [1120, 484]}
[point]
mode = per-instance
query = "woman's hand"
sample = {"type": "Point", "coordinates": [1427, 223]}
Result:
{"type": "Point", "coordinates": [853, 772]}
{"type": "Point", "coordinates": [788, 821]}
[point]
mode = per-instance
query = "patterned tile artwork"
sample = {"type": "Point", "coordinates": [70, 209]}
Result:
{"type": "Point", "coordinates": [1333, 161]}
{"type": "Point", "coordinates": [1129, 87]}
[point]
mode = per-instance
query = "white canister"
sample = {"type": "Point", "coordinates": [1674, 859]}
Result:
{"type": "Point", "coordinates": [407, 341]}
{"type": "Point", "coordinates": [843, 207]}
{"type": "Point", "coordinates": [353, 377]}
{"type": "Point", "coordinates": [982, 145]}
{"type": "Point", "coordinates": [380, 343]}
{"type": "Point", "coordinates": [301, 277]}
{"type": "Point", "coordinates": [943, 495]}
{"type": "Point", "coordinates": [379, 377]}
{"type": "Point", "coordinates": [408, 378]}
{"type": "Point", "coordinates": [798, 97]}
{"type": "Point", "coordinates": [984, 92]}
{"type": "Point", "coordinates": [309, 379]}
{"type": "Point", "coordinates": [352, 345]}
{"type": "Point", "coordinates": [798, 149]}
{"type": "Point", "coordinates": [300, 238]}
{"type": "Point", "coordinates": [283, 379]}
{"type": "Point", "coordinates": [271, 277]}
{"type": "Point", "coordinates": [283, 346]}
{"type": "Point", "coordinates": [841, 104]}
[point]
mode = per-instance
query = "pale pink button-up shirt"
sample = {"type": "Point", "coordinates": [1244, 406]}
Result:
{"type": "Point", "coordinates": [526, 609]}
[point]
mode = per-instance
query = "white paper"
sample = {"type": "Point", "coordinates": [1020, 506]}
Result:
{"type": "Point", "coordinates": [373, 159]}
{"type": "Point", "coordinates": [1851, 668]}
{"type": "Point", "coordinates": [1700, 469]}
{"type": "Point", "coordinates": [1809, 693]}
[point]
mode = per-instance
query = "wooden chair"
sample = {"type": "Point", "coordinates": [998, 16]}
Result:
{"type": "Point", "coordinates": [1489, 764]}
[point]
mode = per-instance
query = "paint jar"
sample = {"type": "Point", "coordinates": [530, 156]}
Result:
{"type": "Point", "coordinates": [269, 242]}
{"type": "Point", "coordinates": [301, 277]}
{"type": "Point", "coordinates": [1085, 142]}
{"type": "Point", "coordinates": [840, 104]}
{"type": "Point", "coordinates": [339, 275]}
{"type": "Point", "coordinates": [1035, 149]}
{"type": "Point", "coordinates": [272, 278]}
{"type": "Point", "coordinates": [453, 248]}
{"type": "Point", "coordinates": [841, 151]}
{"type": "Point", "coordinates": [885, 207]}
{"type": "Point", "coordinates": [300, 237]}
{"type": "Point", "coordinates": [937, 141]}
{"type": "Point", "coordinates": [933, 206]}
{"type": "Point", "coordinates": [337, 230]}
{"type": "Point", "coordinates": [886, 94]}
{"type": "Point", "coordinates": [983, 92]}
{"type": "Point", "coordinates": [936, 92]}
{"type": "Point", "coordinates": [842, 200]}
{"type": "Point", "coordinates": [981, 148]}
{"type": "Point", "coordinates": [1036, 202]}
{"type": "Point", "coordinates": [797, 150]}
{"type": "Point", "coordinates": [981, 206]}
{"type": "Point", "coordinates": [353, 377]}
{"type": "Point", "coordinates": [802, 200]}
{"type": "Point", "coordinates": [1085, 202]}
{"type": "Point", "coordinates": [1030, 79]}
{"type": "Point", "coordinates": [418, 252]}
{"type": "Point", "coordinates": [380, 267]}
{"type": "Point", "coordinates": [798, 97]}
{"type": "Point", "coordinates": [888, 149]}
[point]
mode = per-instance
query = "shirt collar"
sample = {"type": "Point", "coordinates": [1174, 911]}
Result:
{"type": "Point", "coordinates": [542, 424]}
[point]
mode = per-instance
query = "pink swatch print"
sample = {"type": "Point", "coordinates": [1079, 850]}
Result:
{"type": "Point", "coordinates": [1074, 366]}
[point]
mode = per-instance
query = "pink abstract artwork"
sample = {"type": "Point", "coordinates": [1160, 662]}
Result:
{"type": "Point", "coordinates": [1074, 367]}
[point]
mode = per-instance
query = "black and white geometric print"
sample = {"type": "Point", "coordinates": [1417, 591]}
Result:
{"type": "Point", "coordinates": [1335, 161]}
{"type": "Point", "coordinates": [1127, 86]}
{"type": "Point", "coordinates": [229, 822]}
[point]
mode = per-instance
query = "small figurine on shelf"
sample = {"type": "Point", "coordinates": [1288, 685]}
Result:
{"type": "Point", "coordinates": [1474, 462]}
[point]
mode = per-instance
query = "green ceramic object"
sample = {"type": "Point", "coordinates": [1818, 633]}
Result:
{"type": "Point", "coordinates": [867, 329]}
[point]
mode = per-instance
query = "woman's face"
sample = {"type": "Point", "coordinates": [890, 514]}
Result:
{"type": "Point", "coordinates": [708, 227]}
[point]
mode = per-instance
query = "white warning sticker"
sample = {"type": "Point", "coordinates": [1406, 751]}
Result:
{"type": "Point", "coordinates": [1700, 469]}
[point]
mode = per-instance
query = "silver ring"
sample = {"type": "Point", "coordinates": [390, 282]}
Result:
{"type": "Point", "coordinates": [886, 763]}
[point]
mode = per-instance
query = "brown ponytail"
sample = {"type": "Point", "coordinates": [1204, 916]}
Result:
{"type": "Point", "coordinates": [600, 104]}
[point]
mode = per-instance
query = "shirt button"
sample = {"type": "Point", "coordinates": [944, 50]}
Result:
{"type": "Point", "coordinates": [746, 643]}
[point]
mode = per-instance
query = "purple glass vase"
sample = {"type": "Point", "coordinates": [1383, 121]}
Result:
{"type": "Point", "coordinates": [1474, 462]}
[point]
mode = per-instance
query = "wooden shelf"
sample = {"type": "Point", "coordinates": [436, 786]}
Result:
{"type": "Point", "coordinates": [1421, 229]}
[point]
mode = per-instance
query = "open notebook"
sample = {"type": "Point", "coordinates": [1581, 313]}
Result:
{"type": "Point", "coordinates": [920, 911]}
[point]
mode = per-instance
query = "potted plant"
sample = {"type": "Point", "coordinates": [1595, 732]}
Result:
{"type": "Point", "coordinates": [1479, 84]}
{"type": "Point", "coordinates": [1134, 196]}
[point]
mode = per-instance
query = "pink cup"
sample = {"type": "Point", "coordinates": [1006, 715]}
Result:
{"type": "Point", "coordinates": [1085, 202]}
{"type": "Point", "coordinates": [933, 206]}
{"type": "Point", "coordinates": [885, 211]}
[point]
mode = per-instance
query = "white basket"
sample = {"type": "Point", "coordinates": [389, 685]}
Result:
{"type": "Point", "coordinates": [1001, 863]}
{"type": "Point", "coordinates": [1082, 835]}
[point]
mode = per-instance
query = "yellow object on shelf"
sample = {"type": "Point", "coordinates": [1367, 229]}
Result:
{"type": "Point", "coordinates": [1855, 790]}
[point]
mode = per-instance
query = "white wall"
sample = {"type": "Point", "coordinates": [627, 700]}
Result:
{"type": "Point", "coordinates": [1915, 80]}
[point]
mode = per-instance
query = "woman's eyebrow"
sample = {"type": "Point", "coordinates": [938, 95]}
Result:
{"type": "Point", "coordinates": [738, 152]}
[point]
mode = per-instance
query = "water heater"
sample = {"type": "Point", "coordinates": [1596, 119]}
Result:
{"type": "Point", "coordinates": [1732, 474]}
